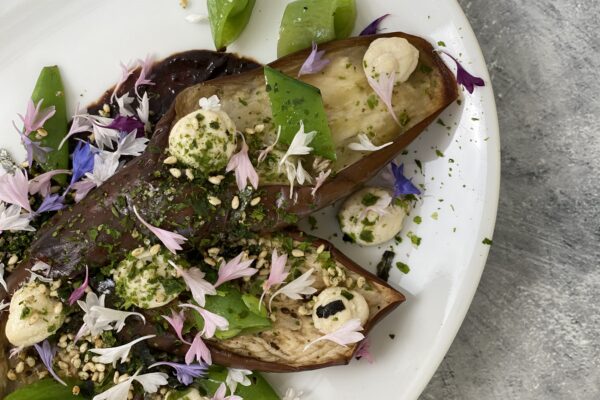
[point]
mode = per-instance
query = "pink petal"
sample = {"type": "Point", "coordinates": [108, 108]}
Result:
{"type": "Point", "coordinates": [212, 321]}
{"type": "Point", "coordinates": [176, 320]}
{"type": "Point", "coordinates": [344, 335]}
{"type": "Point", "coordinates": [220, 393]}
{"type": "Point", "coordinates": [265, 152]}
{"type": "Point", "coordinates": [126, 70]}
{"type": "Point", "coordinates": [235, 269]}
{"type": "Point", "coordinates": [384, 87]}
{"type": "Point", "coordinates": [314, 62]}
{"type": "Point", "coordinates": [41, 183]}
{"type": "Point", "coordinates": [78, 293]}
{"type": "Point", "coordinates": [34, 119]}
{"type": "Point", "coordinates": [82, 188]}
{"type": "Point", "coordinates": [278, 273]}
{"type": "Point", "coordinates": [171, 240]}
{"type": "Point", "coordinates": [194, 279]}
{"type": "Point", "coordinates": [14, 189]}
{"type": "Point", "coordinates": [146, 68]}
{"type": "Point", "coordinates": [363, 351]}
{"type": "Point", "coordinates": [319, 181]}
{"type": "Point", "coordinates": [244, 170]}
{"type": "Point", "coordinates": [198, 351]}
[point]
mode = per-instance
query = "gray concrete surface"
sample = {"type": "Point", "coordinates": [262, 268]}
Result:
{"type": "Point", "coordinates": [533, 330]}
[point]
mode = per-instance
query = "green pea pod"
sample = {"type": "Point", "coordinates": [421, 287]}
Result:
{"type": "Point", "coordinates": [49, 87]}
{"type": "Point", "coordinates": [47, 389]}
{"type": "Point", "coordinates": [228, 18]}
{"type": "Point", "coordinates": [292, 102]}
{"type": "Point", "coordinates": [305, 21]}
{"type": "Point", "coordinates": [258, 390]}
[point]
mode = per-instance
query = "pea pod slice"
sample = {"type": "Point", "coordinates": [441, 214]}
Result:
{"type": "Point", "coordinates": [305, 21]}
{"type": "Point", "coordinates": [228, 18]}
{"type": "Point", "coordinates": [49, 88]}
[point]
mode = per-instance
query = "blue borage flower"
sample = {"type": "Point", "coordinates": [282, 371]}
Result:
{"type": "Point", "coordinates": [463, 77]}
{"type": "Point", "coordinates": [373, 27]}
{"type": "Point", "coordinates": [185, 373]}
{"type": "Point", "coordinates": [47, 353]}
{"type": "Point", "coordinates": [402, 185]}
{"type": "Point", "coordinates": [83, 161]}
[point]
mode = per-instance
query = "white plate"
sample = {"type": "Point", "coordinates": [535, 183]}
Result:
{"type": "Point", "coordinates": [88, 38]}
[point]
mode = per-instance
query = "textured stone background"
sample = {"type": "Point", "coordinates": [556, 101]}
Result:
{"type": "Point", "coordinates": [533, 330]}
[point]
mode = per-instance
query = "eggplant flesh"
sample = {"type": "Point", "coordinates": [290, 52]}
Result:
{"type": "Point", "coordinates": [281, 348]}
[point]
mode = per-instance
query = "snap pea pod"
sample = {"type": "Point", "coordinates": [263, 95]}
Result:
{"type": "Point", "coordinates": [46, 389]}
{"type": "Point", "coordinates": [228, 18]}
{"type": "Point", "coordinates": [49, 87]}
{"type": "Point", "coordinates": [292, 102]}
{"type": "Point", "coordinates": [305, 21]}
{"type": "Point", "coordinates": [258, 390]}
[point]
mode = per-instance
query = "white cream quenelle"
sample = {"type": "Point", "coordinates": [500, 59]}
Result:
{"type": "Point", "coordinates": [335, 306]}
{"type": "Point", "coordinates": [33, 315]}
{"type": "Point", "coordinates": [387, 55]}
{"type": "Point", "coordinates": [204, 139]}
{"type": "Point", "coordinates": [371, 217]}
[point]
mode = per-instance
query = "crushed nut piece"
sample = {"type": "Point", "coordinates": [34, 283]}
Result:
{"type": "Point", "coordinates": [170, 160]}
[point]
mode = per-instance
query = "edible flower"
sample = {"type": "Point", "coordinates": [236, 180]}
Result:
{"type": "Point", "coordinates": [265, 152]}
{"type": "Point", "coordinates": [41, 183]}
{"type": "Point", "coordinates": [2, 281]}
{"type": "Point", "coordinates": [463, 77]}
{"type": "Point", "coordinates": [78, 293]}
{"type": "Point", "coordinates": [380, 206]}
{"type": "Point", "coordinates": [299, 145]}
{"type": "Point", "coordinates": [53, 202]}
{"type": "Point", "coordinates": [78, 125]}
{"type": "Point", "coordinates": [212, 321]}
{"type": "Point", "coordinates": [3, 305]}
{"type": "Point", "coordinates": [143, 110]}
{"type": "Point", "coordinates": [171, 240]}
{"type": "Point", "coordinates": [124, 103]}
{"type": "Point", "coordinates": [346, 334]}
{"type": "Point", "coordinates": [14, 189]}
{"type": "Point", "coordinates": [302, 175]}
{"type": "Point", "coordinates": [47, 353]}
{"type": "Point", "coordinates": [35, 150]}
{"type": "Point", "coordinates": [319, 181]}
{"type": "Point", "coordinates": [211, 103]}
{"type": "Point", "coordinates": [42, 267]}
{"type": "Point", "coordinates": [150, 382]}
{"type": "Point", "coordinates": [131, 144]}
{"type": "Point", "coordinates": [244, 170]}
{"type": "Point", "coordinates": [185, 373]}
{"type": "Point", "coordinates": [384, 88]}
{"type": "Point", "coordinates": [82, 188]}
{"type": "Point", "coordinates": [146, 67]}
{"type": "Point", "coordinates": [127, 124]}
{"type": "Point", "coordinates": [365, 144]}
{"type": "Point", "coordinates": [402, 185]}
{"type": "Point", "coordinates": [237, 376]}
{"type": "Point", "coordinates": [314, 62]}
{"type": "Point", "coordinates": [373, 27]}
{"type": "Point", "coordinates": [292, 394]}
{"type": "Point", "coordinates": [83, 161]}
{"type": "Point", "coordinates": [105, 166]}
{"type": "Point", "coordinates": [11, 219]}
{"type": "Point", "coordinates": [104, 136]}
{"type": "Point", "coordinates": [277, 274]}
{"type": "Point", "coordinates": [298, 287]}
{"type": "Point", "coordinates": [110, 355]}
{"type": "Point", "coordinates": [198, 351]}
{"type": "Point", "coordinates": [176, 320]}
{"type": "Point", "coordinates": [220, 394]}
{"type": "Point", "coordinates": [194, 279]}
{"type": "Point", "coordinates": [35, 117]}
{"type": "Point", "coordinates": [363, 351]}
{"type": "Point", "coordinates": [234, 269]}
{"type": "Point", "coordinates": [126, 71]}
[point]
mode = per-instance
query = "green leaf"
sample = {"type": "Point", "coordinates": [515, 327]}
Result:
{"type": "Point", "coordinates": [307, 21]}
{"type": "Point", "coordinates": [228, 18]}
{"type": "Point", "coordinates": [241, 313]}
{"type": "Point", "coordinates": [258, 390]}
{"type": "Point", "coordinates": [47, 389]}
{"type": "Point", "coordinates": [49, 88]}
{"type": "Point", "coordinates": [292, 102]}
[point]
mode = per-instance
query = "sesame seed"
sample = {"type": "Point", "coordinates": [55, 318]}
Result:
{"type": "Point", "coordinates": [235, 202]}
{"type": "Point", "coordinates": [360, 282]}
{"type": "Point", "coordinates": [123, 378]}
{"type": "Point", "coordinates": [154, 250]}
{"type": "Point", "coordinates": [213, 251]}
{"type": "Point", "coordinates": [138, 252]}
{"type": "Point", "coordinates": [249, 131]}
{"type": "Point", "coordinates": [255, 201]}
{"type": "Point", "coordinates": [297, 253]}
{"type": "Point", "coordinates": [189, 174]}
{"type": "Point", "coordinates": [215, 201]}
{"type": "Point", "coordinates": [320, 249]}
{"type": "Point", "coordinates": [30, 362]}
{"type": "Point", "coordinates": [58, 308]}
{"type": "Point", "coordinates": [260, 263]}
{"type": "Point", "coordinates": [259, 128]}
{"type": "Point", "coordinates": [176, 172]}
{"type": "Point", "coordinates": [76, 390]}
{"type": "Point", "coordinates": [263, 254]}
{"type": "Point", "coordinates": [13, 259]}
{"type": "Point", "coordinates": [216, 180]}
{"type": "Point", "coordinates": [210, 261]}
{"type": "Point", "coordinates": [106, 108]}
{"type": "Point", "coordinates": [84, 376]}
{"type": "Point", "coordinates": [11, 375]}
{"type": "Point", "coordinates": [20, 367]}
{"type": "Point", "coordinates": [42, 132]}
{"type": "Point", "coordinates": [170, 160]}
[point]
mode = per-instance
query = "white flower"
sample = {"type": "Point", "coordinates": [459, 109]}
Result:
{"type": "Point", "coordinates": [2, 281]}
{"type": "Point", "coordinates": [124, 103]}
{"type": "Point", "coordinates": [235, 376]}
{"type": "Point", "coordinates": [302, 175]}
{"type": "Point", "coordinates": [365, 144]}
{"type": "Point", "coordinates": [212, 103]}
{"type": "Point", "coordinates": [42, 267]}
{"type": "Point", "coordinates": [298, 287]}
{"type": "Point", "coordinates": [292, 394]}
{"type": "Point", "coordinates": [131, 145]}
{"type": "Point", "coordinates": [103, 136]}
{"type": "Point", "coordinates": [143, 111]}
{"type": "Point", "coordinates": [151, 383]}
{"type": "Point", "coordinates": [4, 305]}
{"type": "Point", "coordinates": [299, 145]}
{"type": "Point", "coordinates": [344, 335]}
{"type": "Point", "coordinates": [11, 219]}
{"type": "Point", "coordinates": [105, 166]}
{"type": "Point", "coordinates": [110, 355]}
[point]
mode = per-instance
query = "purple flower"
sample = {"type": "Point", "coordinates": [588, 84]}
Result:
{"type": "Point", "coordinates": [83, 161]}
{"type": "Point", "coordinates": [146, 66]}
{"type": "Point", "coordinates": [185, 373]}
{"type": "Point", "coordinates": [52, 202]}
{"type": "Point", "coordinates": [78, 293]}
{"type": "Point", "coordinates": [373, 27]}
{"type": "Point", "coordinates": [402, 185]}
{"type": "Point", "coordinates": [35, 118]}
{"type": "Point", "coordinates": [127, 125]}
{"type": "Point", "coordinates": [463, 77]}
{"type": "Point", "coordinates": [314, 62]}
{"type": "Point", "coordinates": [47, 353]}
{"type": "Point", "coordinates": [35, 150]}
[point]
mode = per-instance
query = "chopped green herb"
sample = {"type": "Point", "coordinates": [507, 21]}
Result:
{"type": "Point", "coordinates": [439, 153]}
{"type": "Point", "coordinates": [417, 220]}
{"type": "Point", "coordinates": [416, 240]}
{"type": "Point", "coordinates": [369, 199]}
{"type": "Point", "coordinates": [487, 241]}
{"type": "Point", "coordinates": [367, 236]}
{"type": "Point", "coordinates": [441, 43]}
{"type": "Point", "coordinates": [405, 269]}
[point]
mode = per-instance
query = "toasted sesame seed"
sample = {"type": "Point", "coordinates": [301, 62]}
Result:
{"type": "Point", "coordinates": [63, 366]}
{"type": "Point", "coordinates": [255, 201]}
{"type": "Point", "coordinates": [106, 108]}
{"type": "Point", "coordinates": [183, 3]}
{"type": "Point", "coordinates": [235, 202]}
{"type": "Point", "coordinates": [101, 376]}
{"type": "Point", "coordinates": [76, 363]}
{"type": "Point", "coordinates": [63, 339]}
{"type": "Point", "coordinates": [213, 251]}
{"type": "Point", "coordinates": [360, 282]}
{"type": "Point", "coordinates": [42, 132]}
{"type": "Point", "coordinates": [11, 375]}
{"type": "Point", "coordinates": [176, 172]}
{"type": "Point", "coordinates": [216, 180]}
{"type": "Point", "coordinates": [84, 376]}
{"type": "Point", "coordinates": [189, 174]}
{"type": "Point", "coordinates": [89, 367]}
{"type": "Point", "coordinates": [20, 367]}
{"type": "Point", "coordinates": [116, 377]}
{"type": "Point", "coordinates": [30, 361]}
{"type": "Point", "coordinates": [259, 128]}
{"type": "Point", "coordinates": [154, 250]}
{"type": "Point", "coordinates": [215, 201]}
{"type": "Point", "coordinates": [138, 252]}
{"type": "Point", "coordinates": [297, 253]}
{"type": "Point", "coordinates": [210, 262]}
{"type": "Point", "coordinates": [13, 259]}
{"type": "Point", "coordinates": [249, 131]}
{"type": "Point", "coordinates": [58, 308]}
{"type": "Point", "coordinates": [170, 160]}
{"type": "Point", "coordinates": [123, 378]}
{"type": "Point", "coordinates": [100, 367]}
{"type": "Point", "coordinates": [95, 377]}
{"type": "Point", "coordinates": [260, 263]}
{"type": "Point", "coordinates": [76, 390]}
{"type": "Point", "coordinates": [320, 249]}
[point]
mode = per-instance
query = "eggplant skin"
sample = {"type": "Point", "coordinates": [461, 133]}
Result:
{"type": "Point", "coordinates": [245, 352]}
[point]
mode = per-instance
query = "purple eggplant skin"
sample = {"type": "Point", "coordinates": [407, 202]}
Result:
{"type": "Point", "coordinates": [73, 238]}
